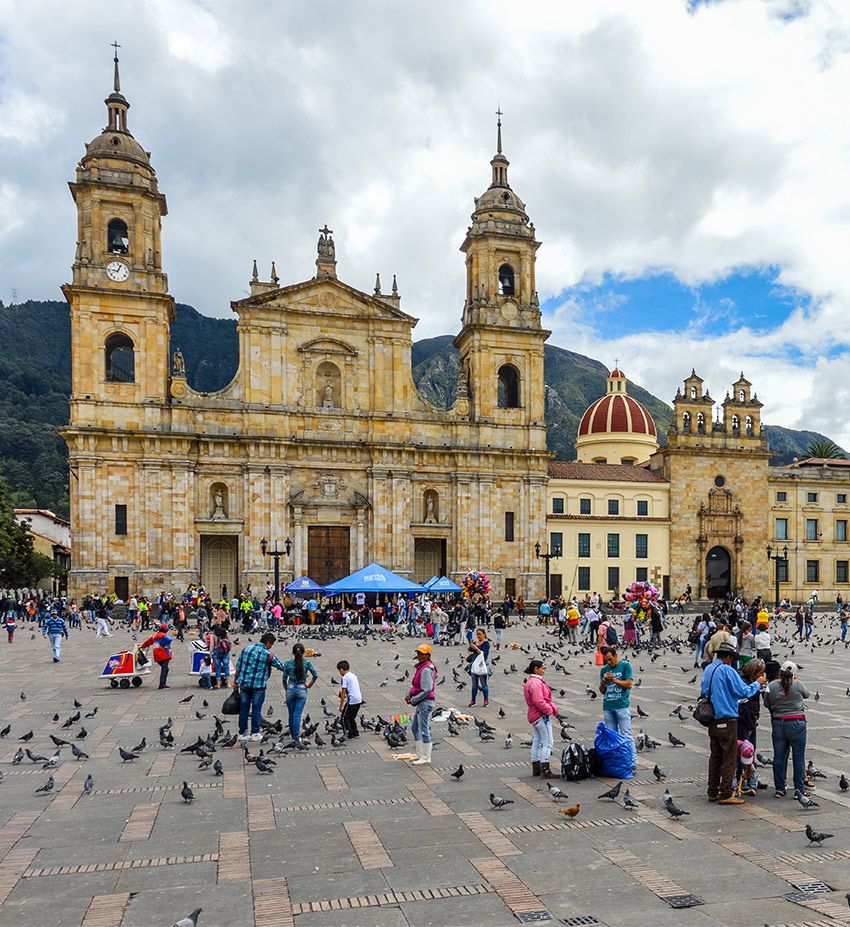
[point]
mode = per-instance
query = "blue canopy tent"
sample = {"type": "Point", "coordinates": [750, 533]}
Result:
{"type": "Point", "coordinates": [303, 586]}
{"type": "Point", "coordinates": [372, 578]}
{"type": "Point", "coordinates": [443, 584]}
{"type": "Point", "coordinates": [427, 583]}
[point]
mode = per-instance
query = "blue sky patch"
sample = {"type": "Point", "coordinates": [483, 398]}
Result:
{"type": "Point", "coordinates": [747, 298]}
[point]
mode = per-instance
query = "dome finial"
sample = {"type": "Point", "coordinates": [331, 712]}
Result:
{"type": "Point", "coordinates": [499, 129]}
{"type": "Point", "coordinates": [117, 80]}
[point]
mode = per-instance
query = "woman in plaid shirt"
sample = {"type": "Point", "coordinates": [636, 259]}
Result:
{"type": "Point", "coordinates": [253, 669]}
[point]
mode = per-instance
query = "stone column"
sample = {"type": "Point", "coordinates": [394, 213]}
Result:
{"type": "Point", "coordinates": [361, 538]}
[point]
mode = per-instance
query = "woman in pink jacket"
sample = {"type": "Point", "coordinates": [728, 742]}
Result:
{"type": "Point", "coordinates": [541, 710]}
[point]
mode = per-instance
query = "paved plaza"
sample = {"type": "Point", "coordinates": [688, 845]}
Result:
{"type": "Point", "coordinates": [352, 836]}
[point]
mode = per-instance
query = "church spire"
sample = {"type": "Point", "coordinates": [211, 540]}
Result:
{"type": "Point", "coordinates": [499, 162]}
{"type": "Point", "coordinates": [116, 103]}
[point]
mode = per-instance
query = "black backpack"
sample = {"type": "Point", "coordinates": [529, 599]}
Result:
{"type": "Point", "coordinates": [576, 763]}
{"type": "Point", "coordinates": [610, 634]}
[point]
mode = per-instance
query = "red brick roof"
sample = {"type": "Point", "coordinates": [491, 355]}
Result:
{"type": "Point", "coordinates": [615, 473]}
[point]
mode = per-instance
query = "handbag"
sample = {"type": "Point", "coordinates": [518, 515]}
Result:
{"type": "Point", "coordinates": [230, 706]}
{"type": "Point", "coordinates": [704, 710]}
{"type": "Point", "coordinates": [479, 666]}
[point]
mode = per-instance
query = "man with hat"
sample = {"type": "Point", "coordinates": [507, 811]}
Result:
{"type": "Point", "coordinates": [723, 686]}
{"type": "Point", "coordinates": [422, 696]}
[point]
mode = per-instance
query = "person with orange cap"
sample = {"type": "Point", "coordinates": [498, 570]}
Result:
{"type": "Point", "coordinates": [422, 696]}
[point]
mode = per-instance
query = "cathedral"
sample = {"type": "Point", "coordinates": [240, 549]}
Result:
{"type": "Point", "coordinates": [321, 438]}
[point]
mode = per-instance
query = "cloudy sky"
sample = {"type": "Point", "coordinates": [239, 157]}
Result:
{"type": "Point", "coordinates": [687, 165]}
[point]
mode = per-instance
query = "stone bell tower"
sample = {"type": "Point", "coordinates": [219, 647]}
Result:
{"type": "Point", "coordinates": [501, 342]}
{"type": "Point", "coordinates": [120, 307]}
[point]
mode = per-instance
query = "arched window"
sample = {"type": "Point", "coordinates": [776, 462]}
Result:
{"type": "Point", "coordinates": [686, 422]}
{"type": "Point", "coordinates": [120, 359]}
{"type": "Point", "coordinates": [506, 280]}
{"type": "Point", "coordinates": [736, 425]}
{"type": "Point", "coordinates": [700, 423]}
{"type": "Point", "coordinates": [508, 387]}
{"type": "Point", "coordinates": [328, 386]}
{"type": "Point", "coordinates": [748, 424]}
{"type": "Point", "coordinates": [117, 237]}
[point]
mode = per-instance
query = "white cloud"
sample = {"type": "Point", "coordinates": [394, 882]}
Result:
{"type": "Point", "coordinates": [643, 137]}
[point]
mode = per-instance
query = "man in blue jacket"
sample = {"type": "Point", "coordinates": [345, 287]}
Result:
{"type": "Point", "coordinates": [56, 629]}
{"type": "Point", "coordinates": [722, 684]}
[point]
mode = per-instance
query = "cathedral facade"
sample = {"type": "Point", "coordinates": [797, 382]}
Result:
{"type": "Point", "coordinates": [321, 437]}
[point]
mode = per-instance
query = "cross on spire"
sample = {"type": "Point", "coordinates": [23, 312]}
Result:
{"type": "Point", "coordinates": [499, 115]}
{"type": "Point", "coordinates": [117, 81]}
{"type": "Point", "coordinates": [326, 231]}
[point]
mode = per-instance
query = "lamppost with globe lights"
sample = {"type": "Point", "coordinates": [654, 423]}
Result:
{"type": "Point", "coordinates": [277, 554]}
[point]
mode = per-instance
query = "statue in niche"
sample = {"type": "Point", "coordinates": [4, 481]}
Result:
{"type": "Point", "coordinates": [218, 505]}
{"type": "Point", "coordinates": [328, 395]}
{"type": "Point", "coordinates": [430, 508]}
{"type": "Point", "coordinates": [178, 364]}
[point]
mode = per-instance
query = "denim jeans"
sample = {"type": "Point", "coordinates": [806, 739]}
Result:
{"type": "Point", "coordinates": [251, 699]}
{"type": "Point", "coordinates": [421, 727]}
{"type": "Point", "coordinates": [844, 630]}
{"type": "Point", "coordinates": [296, 699]}
{"type": "Point", "coordinates": [56, 642]}
{"type": "Point", "coordinates": [480, 681]}
{"type": "Point", "coordinates": [789, 736]}
{"type": "Point", "coordinates": [620, 720]}
{"type": "Point", "coordinates": [436, 627]}
{"type": "Point", "coordinates": [541, 740]}
{"type": "Point", "coordinates": [221, 664]}
{"type": "Point", "coordinates": [205, 681]}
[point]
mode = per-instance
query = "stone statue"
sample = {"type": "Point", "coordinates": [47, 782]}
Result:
{"type": "Point", "coordinates": [218, 506]}
{"type": "Point", "coordinates": [328, 393]}
{"type": "Point", "coordinates": [325, 246]}
{"type": "Point", "coordinates": [430, 514]}
{"type": "Point", "coordinates": [178, 364]}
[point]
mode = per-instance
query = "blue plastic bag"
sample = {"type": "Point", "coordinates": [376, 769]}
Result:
{"type": "Point", "coordinates": [614, 752]}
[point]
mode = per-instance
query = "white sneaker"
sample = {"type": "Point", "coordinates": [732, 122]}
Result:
{"type": "Point", "coordinates": [243, 739]}
{"type": "Point", "coordinates": [256, 737]}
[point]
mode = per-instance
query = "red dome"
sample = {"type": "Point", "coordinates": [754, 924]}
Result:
{"type": "Point", "coordinates": [616, 372]}
{"type": "Point", "coordinates": [616, 412]}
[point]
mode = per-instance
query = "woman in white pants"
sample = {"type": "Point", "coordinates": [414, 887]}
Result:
{"type": "Point", "coordinates": [541, 710]}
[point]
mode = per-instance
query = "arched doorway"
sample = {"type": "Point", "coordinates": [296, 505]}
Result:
{"type": "Point", "coordinates": [718, 573]}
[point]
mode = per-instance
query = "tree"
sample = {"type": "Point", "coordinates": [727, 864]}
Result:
{"type": "Point", "coordinates": [825, 449]}
{"type": "Point", "coordinates": [20, 564]}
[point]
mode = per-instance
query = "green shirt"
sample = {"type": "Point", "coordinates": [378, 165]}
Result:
{"type": "Point", "coordinates": [615, 696]}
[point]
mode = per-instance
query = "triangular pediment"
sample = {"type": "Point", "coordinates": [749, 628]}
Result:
{"type": "Point", "coordinates": [327, 297]}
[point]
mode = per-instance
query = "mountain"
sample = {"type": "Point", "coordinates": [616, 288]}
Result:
{"type": "Point", "coordinates": [35, 382]}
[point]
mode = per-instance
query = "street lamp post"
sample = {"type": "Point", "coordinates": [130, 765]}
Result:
{"type": "Point", "coordinates": [550, 554]}
{"type": "Point", "coordinates": [277, 554]}
{"type": "Point", "coordinates": [777, 558]}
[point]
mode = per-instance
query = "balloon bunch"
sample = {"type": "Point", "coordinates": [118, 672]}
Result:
{"type": "Point", "coordinates": [641, 598]}
{"type": "Point", "coordinates": [475, 583]}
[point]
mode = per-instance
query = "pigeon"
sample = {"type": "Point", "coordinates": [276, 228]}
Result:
{"type": "Point", "coordinates": [5, 730]}
{"type": "Point", "coordinates": [26, 737]}
{"type": "Point", "coordinates": [88, 785]}
{"type": "Point", "coordinates": [47, 787]}
{"type": "Point", "coordinates": [764, 760]}
{"type": "Point", "coordinates": [187, 793]}
{"type": "Point", "coordinates": [641, 712]}
{"type": "Point", "coordinates": [18, 757]}
{"type": "Point", "coordinates": [58, 741]}
{"type": "Point", "coordinates": [126, 756]}
{"type": "Point", "coordinates": [843, 784]}
{"type": "Point", "coordinates": [555, 792]}
{"type": "Point", "coordinates": [35, 757]}
{"type": "Point", "coordinates": [611, 793]}
{"type": "Point", "coordinates": [218, 768]}
{"type": "Point", "coordinates": [51, 763]}
{"type": "Point", "coordinates": [78, 754]}
{"type": "Point", "coordinates": [140, 746]}
{"type": "Point", "coordinates": [501, 713]}
{"type": "Point", "coordinates": [814, 772]}
{"type": "Point", "coordinates": [659, 773]}
{"type": "Point", "coordinates": [570, 812]}
{"type": "Point", "coordinates": [675, 740]}
{"type": "Point", "coordinates": [498, 802]}
{"type": "Point", "coordinates": [805, 801]}
{"type": "Point", "coordinates": [206, 762]}
{"type": "Point", "coordinates": [83, 734]}
{"type": "Point", "coordinates": [190, 920]}
{"type": "Point", "coordinates": [457, 775]}
{"type": "Point", "coordinates": [628, 801]}
{"type": "Point", "coordinates": [263, 766]}
{"type": "Point", "coordinates": [673, 810]}
{"type": "Point", "coordinates": [815, 837]}
{"type": "Point", "coordinates": [200, 715]}
{"type": "Point", "coordinates": [184, 701]}
{"type": "Point", "coordinates": [509, 742]}
{"type": "Point", "coordinates": [23, 696]}
{"type": "Point", "coordinates": [92, 713]}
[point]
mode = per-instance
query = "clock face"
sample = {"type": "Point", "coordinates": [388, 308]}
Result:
{"type": "Point", "coordinates": [117, 271]}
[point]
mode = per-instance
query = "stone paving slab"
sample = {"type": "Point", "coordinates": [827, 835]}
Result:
{"type": "Point", "coordinates": [354, 837]}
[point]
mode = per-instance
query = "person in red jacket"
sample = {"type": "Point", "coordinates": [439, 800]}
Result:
{"type": "Point", "coordinates": [161, 641]}
{"type": "Point", "coordinates": [541, 710]}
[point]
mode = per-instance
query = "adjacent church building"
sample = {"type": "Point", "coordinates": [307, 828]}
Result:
{"type": "Point", "coordinates": [321, 437]}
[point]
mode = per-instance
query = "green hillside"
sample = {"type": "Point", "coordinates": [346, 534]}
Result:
{"type": "Point", "coordinates": [35, 381]}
